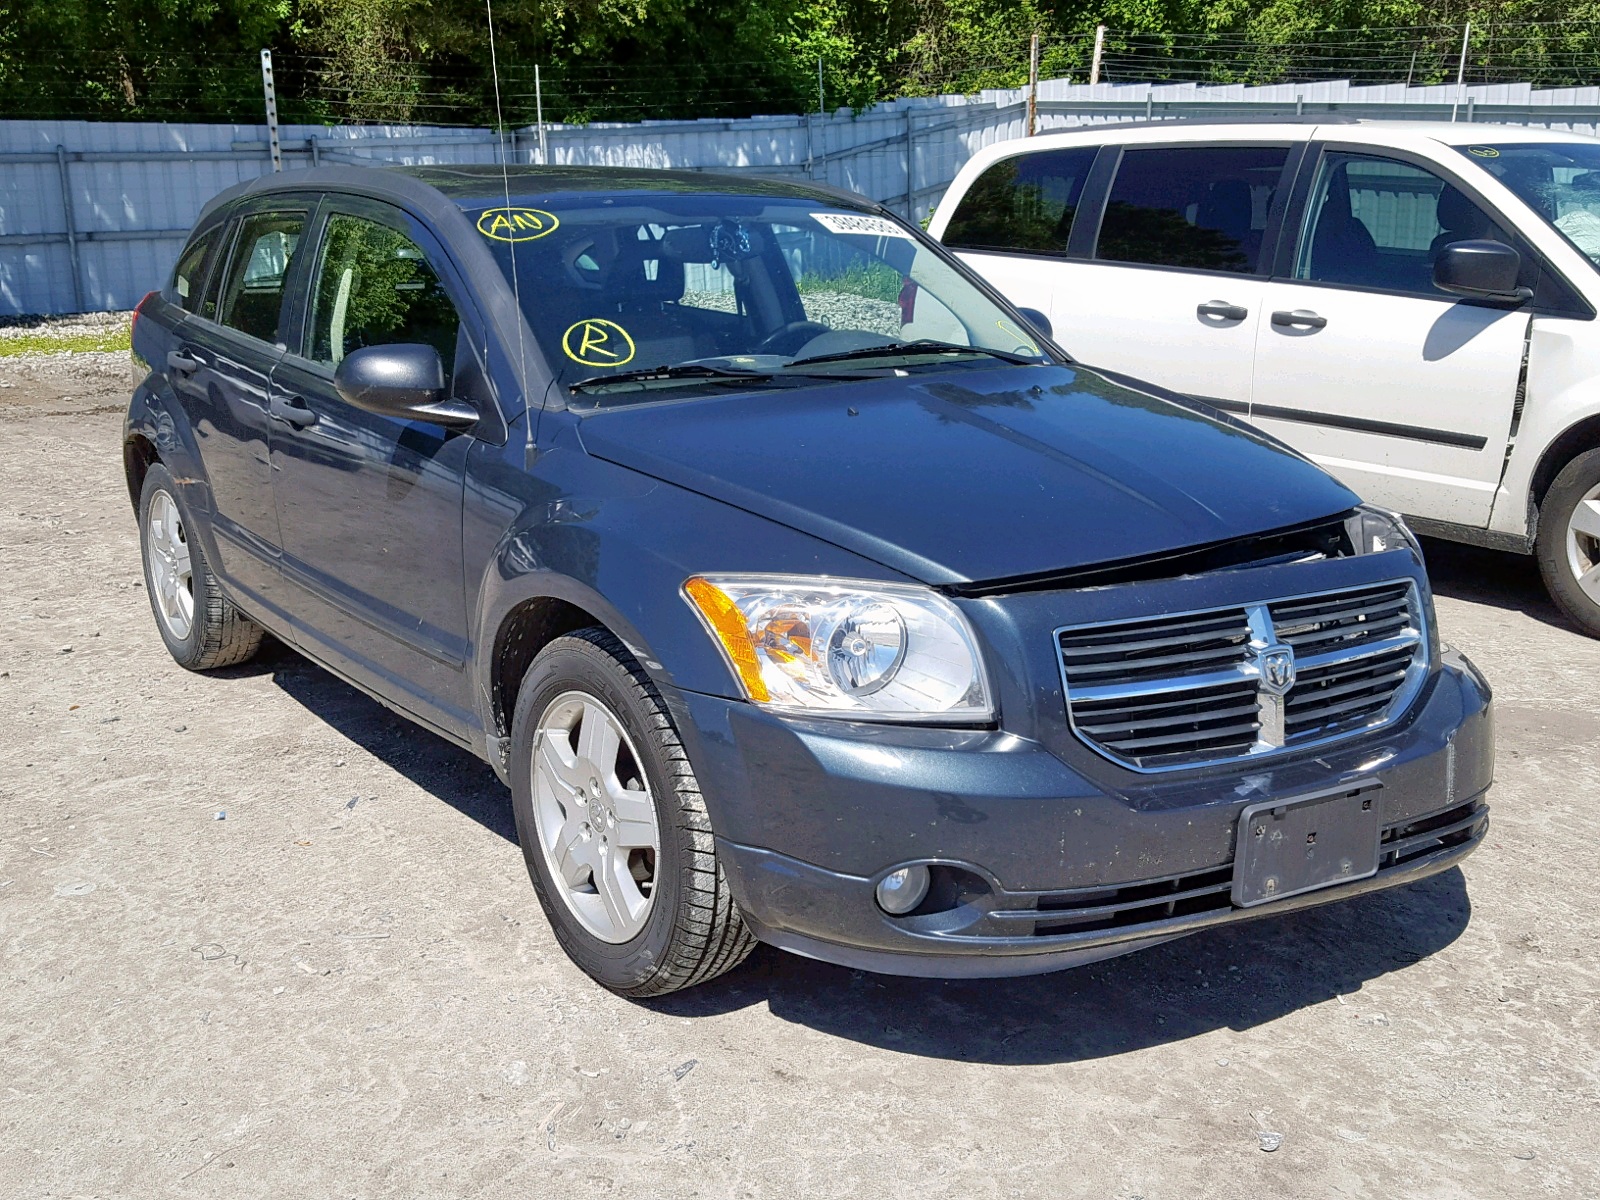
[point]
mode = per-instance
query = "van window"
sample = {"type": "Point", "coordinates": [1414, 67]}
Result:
{"type": "Point", "coordinates": [1197, 207]}
{"type": "Point", "coordinates": [1025, 203]}
{"type": "Point", "coordinates": [252, 292]}
{"type": "Point", "coordinates": [188, 277]}
{"type": "Point", "coordinates": [1377, 223]}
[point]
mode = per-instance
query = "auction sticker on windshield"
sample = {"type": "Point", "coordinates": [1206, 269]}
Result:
{"type": "Point", "coordinates": [516, 224]}
{"type": "Point", "coordinates": [596, 342]}
{"type": "Point", "coordinates": [856, 223]}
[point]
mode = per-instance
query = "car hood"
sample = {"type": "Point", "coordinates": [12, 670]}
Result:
{"type": "Point", "coordinates": [975, 474]}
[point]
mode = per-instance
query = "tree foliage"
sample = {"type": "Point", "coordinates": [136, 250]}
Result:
{"type": "Point", "coordinates": [428, 60]}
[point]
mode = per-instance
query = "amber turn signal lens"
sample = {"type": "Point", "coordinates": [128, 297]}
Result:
{"type": "Point", "coordinates": [725, 620]}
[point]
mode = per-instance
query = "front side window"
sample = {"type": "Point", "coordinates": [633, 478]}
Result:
{"type": "Point", "coordinates": [1026, 203]}
{"type": "Point", "coordinates": [747, 284]}
{"type": "Point", "coordinates": [1379, 223]}
{"type": "Point", "coordinates": [1195, 207]}
{"type": "Point", "coordinates": [374, 287]}
{"type": "Point", "coordinates": [251, 296]}
{"type": "Point", "coordinates": [188, 277]}
{"type": "Point", "coordinates": [1559, 180]}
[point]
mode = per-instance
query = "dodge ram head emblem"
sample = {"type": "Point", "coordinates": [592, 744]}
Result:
{"type": "Point", "coordinates": [1276, 664]}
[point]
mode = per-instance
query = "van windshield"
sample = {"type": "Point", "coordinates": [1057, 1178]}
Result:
{"type": "Point", "coordinates": [700, 290]}
{"type": "Point", "coordinates": [1559, 180]}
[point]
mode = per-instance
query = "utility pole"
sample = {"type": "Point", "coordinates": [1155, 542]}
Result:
{"type": "Point", "coordinates": [271, 93]}
{"type": "Point", "coordinates": [1099, 54]}
{"type": "Point", "coordinates": [822, 109]}
{"type": "Point", "coordinates": [1461, 73]}
{"type": "Point", "coordinates": [1033, 83]}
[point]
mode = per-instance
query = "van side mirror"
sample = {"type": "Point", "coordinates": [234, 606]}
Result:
{"type": "Point", "coordinates": [404, 381]}
{"type": "Point", "coordinates": [1037, 319]}
{"type": "Point", "coordinates": [1480, 270]}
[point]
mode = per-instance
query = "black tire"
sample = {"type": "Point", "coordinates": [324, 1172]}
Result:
{"type": "Point", "coordinates": [219, 635]}
{"type": "Point", "coordinates": [693, 931]}
{"type": "Point", "coordinates": [1577, 480]}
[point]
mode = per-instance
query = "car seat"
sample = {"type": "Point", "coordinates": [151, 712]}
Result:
{"type": "Point", "coordinates": [1227, 208]}
{"type": "Point", "coordinates": [1460, 220]}
{"type": "Point", "coordinates": [1342, 247]}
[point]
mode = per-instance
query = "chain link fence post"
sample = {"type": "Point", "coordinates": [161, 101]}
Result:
{"type": "Point", "coordinates": [270, 92]}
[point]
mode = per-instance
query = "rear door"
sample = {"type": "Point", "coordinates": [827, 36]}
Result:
{"type": "Point", "coordinates": [228, 348]}
{"type": "Point", "coordinates": [1402, 391]}
{"type": "Point", "coordinates": [1173, 290]}
{"type": "Point", "coordinates": [369, 505]}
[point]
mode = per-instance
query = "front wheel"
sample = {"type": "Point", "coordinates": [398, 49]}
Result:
{"type": "Point", "coordinates": [1568, 545]}
{"type": "Point", "coordinates": [613, 826]}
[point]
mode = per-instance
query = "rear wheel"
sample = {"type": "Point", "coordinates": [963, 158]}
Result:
{"type": "Point", "coordinates": [1568, 546]}
{"type": "Point", "coordinates": [613, 826]}
{"type": "Point", "coordinates": [201, 628]}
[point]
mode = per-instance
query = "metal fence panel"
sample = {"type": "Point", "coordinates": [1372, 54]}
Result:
{"type": "Point", "coordinates": [92, 214]}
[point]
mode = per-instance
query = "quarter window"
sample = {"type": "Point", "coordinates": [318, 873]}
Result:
{"type": "Point", "coordinates": [1378, 223]}
{"type": "Point", "coordinates": [251, 298]}
{"type": "Point", "coordinates": [1197, 207]}
{"type": "Point", "coordinates": [374, 287]}
{"type": "Point", "coordinates": [1024, 203]}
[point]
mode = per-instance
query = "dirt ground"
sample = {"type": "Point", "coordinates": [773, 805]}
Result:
{"type": "Point", "coordinates": [344, 987]}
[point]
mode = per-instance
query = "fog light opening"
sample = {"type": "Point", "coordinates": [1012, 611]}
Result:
{"type": "Point", "coordinates": [901, 891]}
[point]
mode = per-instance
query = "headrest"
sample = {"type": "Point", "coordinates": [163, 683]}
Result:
{"type": "Point", "coordinates": [1458, 214]}
{"type": "Point", "coordinates": [688, 243]}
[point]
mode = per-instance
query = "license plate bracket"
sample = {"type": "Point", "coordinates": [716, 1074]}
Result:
{"type": "Point", "coordinates": [1302, 843]}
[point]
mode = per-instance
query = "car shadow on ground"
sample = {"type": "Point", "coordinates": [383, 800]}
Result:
{"type": "Point", "coordinates": [1509, 582]}
{"type": "Point", "coordinates": [1233, 978]}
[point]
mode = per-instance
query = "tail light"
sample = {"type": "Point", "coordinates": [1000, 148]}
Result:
{"type": "Point", "coordinates": [908, 301]}
{"type": "Point", "coordinates": [133, 325]}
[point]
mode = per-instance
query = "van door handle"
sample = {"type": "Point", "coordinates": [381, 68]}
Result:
{"type": "Point", "coordinates": [181, 363]}
{"type": "Point", "coordinates": [1300, 318]}
{"type": "Point", "coordinates": [1222, 309]}
{"type": "Point", "coordinates": [291, 410]}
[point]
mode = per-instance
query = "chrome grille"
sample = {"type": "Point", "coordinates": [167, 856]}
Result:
{"type": "Point", "coordinates": [1180, 690]}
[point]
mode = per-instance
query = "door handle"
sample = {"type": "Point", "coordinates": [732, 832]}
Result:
{"type": "Point", "coordinates": [291, 410]}
{"type": "Point", "coordinates": [1300, 318]}
{"type": "Point", "coordinates": [181, 363]}
{"type": "Point", "coordinates": [1222, 309]}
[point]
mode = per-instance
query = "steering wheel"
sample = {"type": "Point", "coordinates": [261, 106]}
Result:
{"type": "Point", "coordinates": [790, 337]}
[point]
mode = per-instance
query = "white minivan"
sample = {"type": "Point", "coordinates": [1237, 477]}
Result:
{"type": "Point", "coordinates": [1410, 305]}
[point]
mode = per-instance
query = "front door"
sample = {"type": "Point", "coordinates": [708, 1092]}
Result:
{"type": "Point", "coordinates": [1403, 392]}
{"type": "Point", "coordinates": [370, 506]}
{"type": "Point", "coordinates": [229, 346]}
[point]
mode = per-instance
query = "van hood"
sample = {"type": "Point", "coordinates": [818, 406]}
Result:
{"type": "Point", "coordinates": [976, 474]}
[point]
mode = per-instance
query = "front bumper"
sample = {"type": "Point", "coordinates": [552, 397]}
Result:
{"type": "Point", "coordinates": [1047, 863]}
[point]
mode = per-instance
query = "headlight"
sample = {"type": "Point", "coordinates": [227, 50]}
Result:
{"type": "Point", "coordinates": [1373, 530]}
{"type": "Point", "coordinates": [841, 648]}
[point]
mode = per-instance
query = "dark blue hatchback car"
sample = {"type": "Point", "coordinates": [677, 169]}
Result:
{"type": "Point", "coordinates": [800, 588]}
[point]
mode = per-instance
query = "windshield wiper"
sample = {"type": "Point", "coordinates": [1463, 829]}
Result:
{"type": "Point", "coordinates": [920, 346]}
{"type": "Point", "coordinates": [597, 383]}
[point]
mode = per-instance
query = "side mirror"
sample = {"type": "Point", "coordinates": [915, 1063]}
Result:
{"type": "Point", "coordinates": [1481, 270]}
{"type": "Point", "coordinates": [1037, 319]}
{"type": "Point", "coordinates": [404, 381]}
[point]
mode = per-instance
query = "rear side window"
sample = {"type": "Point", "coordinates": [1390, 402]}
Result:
{"type": "Point", "coordinates": [1197, 207]}
{"type": "Point", "coordinates": [1025, 203]}
{"type": "Point", "coordinates": [251, 296]}
{"type": "Point", "coordinates": [374, 287]}
{"type": "Point", "coordinates": [189, 276]}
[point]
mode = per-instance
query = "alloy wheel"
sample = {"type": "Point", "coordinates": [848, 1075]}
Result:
{"type": "Point", "coordinates": [1583, 544]}
{"type": "Point", "coordinates": [171, 573]}
{"type": "Point", "coordinates": [595, 817]}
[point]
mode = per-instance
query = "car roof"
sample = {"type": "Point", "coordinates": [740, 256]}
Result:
{"type": "Point", "coordinates": [480, 185]}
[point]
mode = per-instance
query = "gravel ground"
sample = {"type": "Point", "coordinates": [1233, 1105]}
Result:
{"type": "Point", "coordinates": [343, 986]}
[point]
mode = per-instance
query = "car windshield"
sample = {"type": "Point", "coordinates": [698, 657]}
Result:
{"type": "Point", "coordinates": [629, 292]}
{"type": "Point", "coordinates": [1559, 180]}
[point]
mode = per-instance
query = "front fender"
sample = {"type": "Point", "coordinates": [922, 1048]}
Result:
{"type": "Point", "coordinates": [619, 545]}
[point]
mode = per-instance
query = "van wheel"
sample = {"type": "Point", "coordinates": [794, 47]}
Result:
{"type": "Point", "coordinates": [201, 627]}
{"type": "Point", "coordinates": [1569, 541]}
{"type": "Point", "coordinates": [613, 826]}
